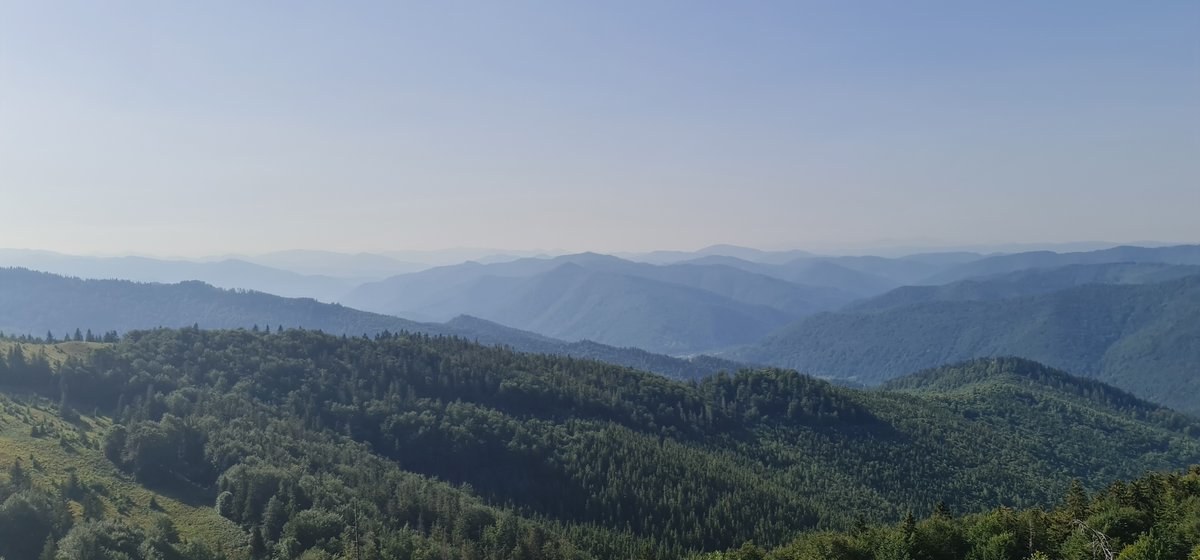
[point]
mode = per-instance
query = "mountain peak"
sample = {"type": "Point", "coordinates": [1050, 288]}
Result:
{"type": "Point", "coordinates": [589, 257]}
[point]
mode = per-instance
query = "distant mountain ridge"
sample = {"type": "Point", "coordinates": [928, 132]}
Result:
{"type": "Point", "coordinates": [827, 272]}
{"type": "Point", "coordinates": [225, 273]}
{"type": "Point", "coordinates": [722, 300]}
{"type": "Point", "coordinates": [37, 302]}
{"type": "Point", "coordinates": [724, 250]}
{"type": "Point", "coordinates": [1028, 282]}
{"type": "Point", "coordinates": [677, 309]}
{"type": "Point", "coordinates": [1173, 254]}
{"type": "Point", "coordinates": [354, 267]}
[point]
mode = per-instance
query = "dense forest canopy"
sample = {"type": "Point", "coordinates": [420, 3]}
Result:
{"type": "Point", "coordinates": [1155, 517]}
{"type": "Point", "coordinates": [437, 444]}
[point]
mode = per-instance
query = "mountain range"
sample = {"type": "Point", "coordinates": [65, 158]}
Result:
{"type": "Point", "coordinates": [224, 273]}
{"type": "Point", "coordinates": [1172, 254]}
{"type": "Point", "coordinates": [1140, 337]}
{"type": "Point", "coordinates": [37, 302]}
{"type": "Point", "coordinates": [1113, 313]}
{"type": "Point", "coordinates": [676, 309]}
{"type": "Point", "coordinates": [272, 425]}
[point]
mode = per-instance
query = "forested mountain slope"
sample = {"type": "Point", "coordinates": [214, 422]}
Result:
{"type": "Point", "coordinates": [298, 436]}
{"type": "Point", "coordinates": [1141, 338]}
{"type": "Point", "coordinates": [1155, 517]}
{"type": "Point", "coordinates": [36, 302]}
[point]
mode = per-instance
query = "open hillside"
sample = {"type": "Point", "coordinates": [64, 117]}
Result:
{"type": "Point", "coordinates": [60, 486]}
{"type": "Point", "coordinates": [294, 433]}
{"type": "Point", "coordinates": [1141, 338]}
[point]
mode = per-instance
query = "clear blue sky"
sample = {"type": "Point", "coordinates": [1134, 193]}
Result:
{"type": "Point", "coordinates": [209, 127]}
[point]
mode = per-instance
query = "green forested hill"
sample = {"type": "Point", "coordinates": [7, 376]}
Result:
{"type": "Point", "coordinates": [1142, 338]}
{"type": "Point", "coordinates": [313, 441]}
{"type": "Point", "coordinates": [976, 375]}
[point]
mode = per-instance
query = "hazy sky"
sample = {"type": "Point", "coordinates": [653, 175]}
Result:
{"type": "Point", "coordinates": [188, 128]}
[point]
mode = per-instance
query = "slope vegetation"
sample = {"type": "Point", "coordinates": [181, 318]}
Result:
{"type": "Point", "coordinates": [59, 486]}
{"type": "Point", "coordinates": [1156, 516]}
{"type": "Point", "coordinates": [297, 436]}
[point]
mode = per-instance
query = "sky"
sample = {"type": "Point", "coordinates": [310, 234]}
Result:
{"type": "Point", "coordinates": [193, 128]}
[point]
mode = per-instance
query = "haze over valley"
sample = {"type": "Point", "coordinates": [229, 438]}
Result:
{"type": "Point", "coordinates": [651, 280]}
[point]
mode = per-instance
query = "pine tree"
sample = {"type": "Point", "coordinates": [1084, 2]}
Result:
{"type": "Point", "coordinates": [1077, 500]}
{"type": "Point", "coordinates": [72, 489]}
{"type": "Point", "coordinates": [940, 510]}
{"type": "Point", "coordinates": [258, 547]}
{"type": "Point", "coordinates": [273, 519]}
{"type": "Point", "coordinates": [49, 550]}
{"type": "Point", "coordinates": [17, 476]}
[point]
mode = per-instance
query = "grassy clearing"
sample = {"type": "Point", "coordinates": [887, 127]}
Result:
{"type": "Point", "coordinates": [61, 447]}
{"type": "Point", "coordinates": [55, 353]}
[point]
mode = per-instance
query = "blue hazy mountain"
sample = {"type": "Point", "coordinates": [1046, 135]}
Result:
{"type": "Point", "coordinates": [354, 266]}
{"type": "Point", "coordinates": [1030, 282]}
{"type": "Point", "coordinates": [1139, 337]}
{"type": "Point", "coordinates": [36, 302]}
{"type": "Point", "coordinates": [224, 273]}
{"type": "Point", "coordinates": [722, 250]}
{"type": "Point", "coordinates": [999, 264]}
{"type": "Point", "coordinates": [681, 309]}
